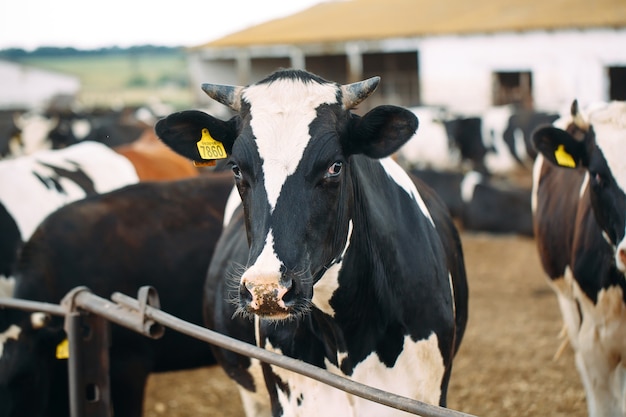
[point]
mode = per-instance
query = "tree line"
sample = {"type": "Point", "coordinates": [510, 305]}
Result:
{"type": "Point", "coordinates": [50, 51]}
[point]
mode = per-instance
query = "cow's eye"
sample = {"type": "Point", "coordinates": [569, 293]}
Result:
{"type": "Point", "coordinates": [334, 170]}
{"type": "Point", "coordinates": [236, 171]}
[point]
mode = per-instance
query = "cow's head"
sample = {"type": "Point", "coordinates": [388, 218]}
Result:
{"type": "Point", "coordinates": [28, 363]}
{"type": "Point", "coordinates": [290, 147]}
{"type": "Point", "coordinates": [600, 148]}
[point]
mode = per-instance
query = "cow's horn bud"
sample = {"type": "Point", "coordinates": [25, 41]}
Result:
{"type": "Point", "coordinates": [228, 95]}
{"type": "Point", "coordinates": [355, 93]}
{"type": "Point", "coordinates": [577, 116]}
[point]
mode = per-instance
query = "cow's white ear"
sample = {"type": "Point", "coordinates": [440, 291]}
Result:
{"type": "Point", "coordinates": [39, 320]}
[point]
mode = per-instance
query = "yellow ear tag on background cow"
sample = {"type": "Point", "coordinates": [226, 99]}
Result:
{"type": "Point", "coordinates": [63, 350]}
{"type": "Point", "coordinates": [209, 149]}
{"type": "Point", "coordinates": [563, 158]}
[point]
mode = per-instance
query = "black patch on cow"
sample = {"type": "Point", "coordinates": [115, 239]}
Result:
{"type": "Point", "coordinates": [273, 384]}
{"type": "Point", "coordinates": [465, 134]}
{"type": "Point", "coordinates": [10, 243]}
{"type": "Point", "coordinates": [77, 176]}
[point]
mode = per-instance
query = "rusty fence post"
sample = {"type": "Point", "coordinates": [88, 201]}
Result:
{"type": "Point", "coordinates": [88, 362]}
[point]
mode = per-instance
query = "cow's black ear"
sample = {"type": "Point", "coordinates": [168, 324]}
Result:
{"type": "Point", "coordinates": [559, 147]}
{"type": "Point", "coordinates": [381, 131]}
{"type": "Point", "coordinates": [193, 133]}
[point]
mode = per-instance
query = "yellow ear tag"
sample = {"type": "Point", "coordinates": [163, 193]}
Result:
{"type": "Point", "coordinates": [63, 350]}
{"type": "Point", "coordinates": [563, 158]}
{"type": "Point", "coordinates": [209, 149]}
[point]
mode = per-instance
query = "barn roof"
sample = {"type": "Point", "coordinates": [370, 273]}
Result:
{"type": "Point", "coordinates": [346, 20]}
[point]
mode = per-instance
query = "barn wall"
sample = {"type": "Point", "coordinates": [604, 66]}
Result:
{"type": "Point", "coordinates": [456, 71]}
{"type": "Point", "coordinates": [453, 71]}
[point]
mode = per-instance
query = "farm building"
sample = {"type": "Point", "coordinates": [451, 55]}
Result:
{"type": "Point", "coordinates": [466, 56]}
{"type": "Point", "coordinates": [29, 87]}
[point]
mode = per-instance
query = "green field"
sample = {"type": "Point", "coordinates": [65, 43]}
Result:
{"type": "Point", "coordinates": [124, 78]}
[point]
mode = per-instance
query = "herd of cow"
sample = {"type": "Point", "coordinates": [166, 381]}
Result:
{"type": "Point", "coordinates": [321, 234]}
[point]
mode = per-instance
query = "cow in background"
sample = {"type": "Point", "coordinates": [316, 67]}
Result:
{"type": "Point", "coordinates": [579, 206]}
{"type": "Point", "coordinates": [507, 132]}
{"type": "Point", "coordinates": [335, 257]}
{"type": "Point", "coordinates": [482, 203]}
{"type": "Point", "coordinates": [60, 126]}
{"type": "Point", "coordinates": [38, 184]}
{"type": "Point", "coordinates": [160, 234]}
{"type": "Point", "coordinates": [430, 147]}
{"type": "Point", "coordinates": [9, 132]}
{"type": "Point", "coordinates": [495, 142]}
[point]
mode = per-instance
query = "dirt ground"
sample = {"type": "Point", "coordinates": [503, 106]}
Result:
{"type": "Point", "coordinates": [505, 367]}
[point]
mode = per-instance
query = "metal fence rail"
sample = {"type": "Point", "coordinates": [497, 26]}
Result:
{"type": "Point", "coordinates": [144, 316]}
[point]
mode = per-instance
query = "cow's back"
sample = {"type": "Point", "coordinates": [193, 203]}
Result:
{"type": "Point", "coordinates": [38, 184]}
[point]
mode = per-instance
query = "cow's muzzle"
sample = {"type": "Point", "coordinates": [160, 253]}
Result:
{"type": "Point", "coordinates": [267, 298]}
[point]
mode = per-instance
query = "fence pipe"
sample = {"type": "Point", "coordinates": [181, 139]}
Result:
{"type": "Point", "coordinates": [20, 304]}
{"type": "Point", "coordinates": [118, 313]}
{"type": "Point", "coordinates": [369, 393]}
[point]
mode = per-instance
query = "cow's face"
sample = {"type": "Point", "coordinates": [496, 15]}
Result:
{"type": "Point", "coordinates": [290, 148]}
{"type": "Point", "coordinates": [27, 358]}
{"type": "Point", "coordinates": [600, 149]}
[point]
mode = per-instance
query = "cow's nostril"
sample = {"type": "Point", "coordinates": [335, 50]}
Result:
{"type": "Point", "coordinates": [290, 295]}
{"type": "Point", "coordinates": [245, 296]}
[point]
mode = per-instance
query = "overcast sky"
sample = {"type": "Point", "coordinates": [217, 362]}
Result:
{"type": "Point", "coordinates": [86, 24]}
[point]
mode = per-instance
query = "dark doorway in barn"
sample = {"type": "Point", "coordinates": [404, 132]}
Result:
{"type": "Point", "coordinates": [617, 83]}
{"type": "Point", "coordinates": [400, 77]}
{"type": "Point", "coordinates": [513, 87]}
{"type": "Point", "coordinates": [398, 70]}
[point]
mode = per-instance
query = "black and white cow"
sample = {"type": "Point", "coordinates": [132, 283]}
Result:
{"type": "Point", "coordinates": [337, 258]}
{"type": "Point", "coordinates": [34, 186]}
{"type": "Point", "coordinates": [496, 141]}
{"type": "Point", "coordinates": [160, 234]}
{"type": "Point", "coordinates": [9, 132]}
{"type": "Point", "coordinates": [579, 206]}
{"type": "Point", "coordinates": [430, 147]}
{"type": "Point", "coordinates": [507, 132]}
{"type": "Point", "coordinates": [482, 203]}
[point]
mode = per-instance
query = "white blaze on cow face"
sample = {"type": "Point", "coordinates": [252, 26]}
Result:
{"type": "Point", "coordinates": [262, 280]}
{"type": "Point", "coordinates": [13, 332]}
{"type": "Point", "coordinates": [282, 112]}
